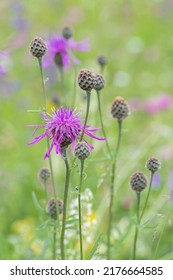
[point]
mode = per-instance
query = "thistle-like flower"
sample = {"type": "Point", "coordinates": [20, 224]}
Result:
{"type": "Point", "coordinates": [99, 82]}
{"type": "Point", "coordinates": [102, 60]}
{"type": "Point", "coordinates": [153, 164]}
{"type": "Point", "coordinates": [67, 32]}
{"type": "Point", "coordinates": [44, 175]}
{"type": "Point", "coordinates": [38, 47]}
{"type": "Point", "coordinates": [82, 151]}
{"type": "Point", "coordinates": [63, 127]}
{"type": "Point", "coordinates": [58, 47]}
{"type": "Point", "coordinates": [51, 208]}
{"type": "Point", "coordinates": [120, 108]}
{"type": "Point", "coordinates": [138, 181]}
{"type": "Point", "coordinates": [86, 80]}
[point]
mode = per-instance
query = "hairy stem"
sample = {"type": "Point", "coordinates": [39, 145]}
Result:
{"type": "Point", "coordinates": [87, 113]}
{"type": "Point", "coordinates": [146, 201]}
{"type": "Point", "coordinates": [102, 125]}
{"type": "Point", "coordinates": [110, 217]}
{"type": "Point", "coordinates": [50, 159]}
{"type": "Point", "coordinates": [79, 209]}
{"type": "Point", "coordinates": [67, 179]}
{"type": "Point", "coordinates": [137, 226]}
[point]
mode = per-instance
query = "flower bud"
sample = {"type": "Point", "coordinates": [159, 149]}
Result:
{"type": "Point", "coordinates": [120, 108]}
{"type": "Point", "coordinates": [138, 181]}
{"type": "Point", "coordinates": [86, 80]}
{"type": "Point", "coordinates": [82, 151]}
{"type": "Point", "coordinates": [99, 82]}
{"type": "Point", "coordinates": [67, 32]}
{"type": "Point", "coordinates": [38, 47]}
{"type": "Point", "coordinates": [153, 164]}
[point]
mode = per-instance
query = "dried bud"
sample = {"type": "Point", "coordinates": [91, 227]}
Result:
{"type": "Point", "coordinates": [67, 32]}
{"type": "Point", "coordinates": [99, 82]}
{"type": "Point", "coordinates": [153, 164]}
{"type": "Point", "coordinates": [38, 47]}
{"type": "Point", "coordinates": [120, 109]}
{"type": "Point", "coordinates": [82, 151]}
{"type": "Point", "coordinates": [51, 208]}
{"type": "Point", "coordinates": [102, 60]}
{"type": "Point", "coordinates": [44, 175]}
{"type": "Point", "coordinates": [138, 182]}
{"type": "Point", "coordinates": [86, 80]}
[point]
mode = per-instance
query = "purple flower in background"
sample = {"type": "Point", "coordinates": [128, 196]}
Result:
{"type": "Point", "coordinates": [4, 61]}
{"type": "Point", "coordinates": [59, 48]}
{"type": "Point", "coordinates": [63, 127]}
{"type": "Point", "coordinates": [157, 104]}
{"type": "Point", "coordinates": [170, 185]}
{"type": "Point", "coordinates": [156, 181]}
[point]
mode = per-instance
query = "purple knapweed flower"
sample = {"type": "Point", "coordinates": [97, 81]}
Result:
{"type": "Point", "coordinates": [59, 48]}
{"type": "Point", "coordinates": [63, 127]}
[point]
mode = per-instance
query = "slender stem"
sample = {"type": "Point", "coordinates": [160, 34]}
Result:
{"type": "Point", "coordinates": [54, 242]}
{"type": "Point", "coordinates": [43, 85]}
{"type": "Point", "coordinates": [74, 87]}
{"type": "Point", "coordinates": [102, 125]}
{"type": "Point", "coordinates": [65, 203]}
{"type": "Point", "coordinates": [137, 226]}
{"type": "Point", "coordinates": [50, 159]}
{"type": "Point", "coordinates": [87, 112]}
{"type": "Point", "coordinates": [146, 201]}
{"type": "Point", "coordinates": [112, 189]}
{"type": "Point", "coordinates": [61, 71]}
{"type": "Point", "coordinates": [79, 209]}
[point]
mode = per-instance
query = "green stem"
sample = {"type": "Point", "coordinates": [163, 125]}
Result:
{"type": "Point", "coordinates": [146, 201]}
{"type": "Point", "coordinates": [87, 112]}
{"type": "Point", "coordinates": [54, 241]}
{"type": "Point", "coordinates": [74, 87]}
{"type": "Point", "coordinates": [61, 71]}
{"type": "Point", "coordinates": [110, 217]}
{"type": "Point", "coordinates": [137, 226]}
{"type": "Point", "coordinates": [43, 85]}
{"type": "Point", "coordinates": [50, 159]}
{"type": "Point", "coordinates": [79, 209]}
{"type": "Point", "coordinates": [102, 125]}
{"type": "Point", "coordinates": [67, 179]}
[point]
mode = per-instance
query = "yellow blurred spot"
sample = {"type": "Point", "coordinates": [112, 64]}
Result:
{"type": "Point", "coordinates": [24, 227]}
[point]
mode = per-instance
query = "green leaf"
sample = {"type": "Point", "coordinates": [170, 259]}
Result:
{"type": "Point", "coordinates": [36, 203]}
{"type": "Point", "coordinates": [95, 247]}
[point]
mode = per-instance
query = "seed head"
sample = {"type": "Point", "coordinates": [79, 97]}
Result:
{"type": "Point", "coordinates": [67, 32]}
{"type": "Point", "coordinates": [120, 108]}
{"type": "Point", "coordinates": [51, 208]}
{"type": "Point", "coordinates": [99, 82]}
{"type": "Point", "coordinates": [82, 151]}
{"type": "Point", "coordinates": [102, 60]}
{"type": "Point", "coordinates": [86, 80]}
{"type": "Point", "coordinates": [38, 47]}
{"type": "Point", "coordinates": [138, 181]}
{"type": "Point", "coordinates": [153, 164]}
{"type": "Point", "coordinates": [44, 175]}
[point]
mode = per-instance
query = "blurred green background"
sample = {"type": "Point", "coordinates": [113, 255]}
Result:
{"type": "Point", "coordinates": [136, 38]}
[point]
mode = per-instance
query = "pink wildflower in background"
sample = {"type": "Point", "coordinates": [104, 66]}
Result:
{"type": "Point", "coordinates": [60, 47]}
{"type": "Point", "coordinates": [157, 104]}
{"type": "Point", "coordinates": [152, 105]}
{"type": "Point", "coordinates": [63, 127]}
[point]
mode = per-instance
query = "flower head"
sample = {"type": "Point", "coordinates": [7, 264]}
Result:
{"type": "Point", "coordinates": [63, 127]}
{"type": "Point", "coordinates": [38, 47]}
{"type": "Point", "coordinates": [138, 181]}
{"type": "Point", "coordinates": [120, 109]}
{"type": "Point", "coordinates": [153, 164]}
{"type": "Point", "coordinates": [60, 47]}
